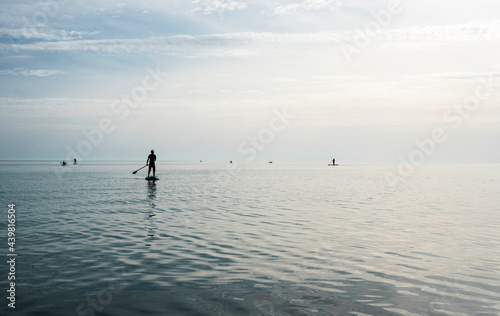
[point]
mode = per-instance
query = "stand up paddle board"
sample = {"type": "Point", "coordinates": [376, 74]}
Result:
{"type": "Point", "coordinates": [152, 178]}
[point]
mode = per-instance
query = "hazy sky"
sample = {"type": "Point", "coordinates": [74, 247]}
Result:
{"type": "Point", "coordinates": [359, 80]}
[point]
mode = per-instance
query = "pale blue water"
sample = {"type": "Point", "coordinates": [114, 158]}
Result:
{"type": "Point", "coordinates": [266, 239]}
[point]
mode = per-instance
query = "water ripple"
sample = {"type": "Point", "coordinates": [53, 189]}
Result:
{"type": "Point", "coordinates": [295, 240]}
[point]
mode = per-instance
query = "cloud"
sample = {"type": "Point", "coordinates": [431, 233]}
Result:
{"type": "Point", "coordinates": [447, 33]}
{"type": "Point", "coordinates": [32, 72]}
{"type": "Point", "coordinates": [217, 6]}
{"type": "Point", "coordinates": [307, 5]}
{"type": "Point", "coordinates": [460, 75]}
{"type": "Point", "coordinates": [230, 44]}
{"type": "Point", "coordinates": [55, 107]}
{"type": "Point", "coordinates": [262, 43]}
{"type": "Point", "coordinates": [33, 33]}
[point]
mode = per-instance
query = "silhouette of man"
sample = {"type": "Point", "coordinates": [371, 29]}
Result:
{"type": "Point", "coordinates": [152, 163]}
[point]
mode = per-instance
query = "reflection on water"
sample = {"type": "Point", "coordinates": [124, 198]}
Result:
{"type": "Point", "coordinates": [151, 228]}
{"type": "Point", "coordinates": [151, 193]}
{"type": "Point", "coordinates": [268, 240]}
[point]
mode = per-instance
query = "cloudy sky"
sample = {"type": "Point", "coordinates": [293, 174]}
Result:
{"type": "Point", "coordinates": [298, 80]}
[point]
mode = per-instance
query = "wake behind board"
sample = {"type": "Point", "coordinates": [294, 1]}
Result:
{"type": "Point", "coordinates": [152, 178]}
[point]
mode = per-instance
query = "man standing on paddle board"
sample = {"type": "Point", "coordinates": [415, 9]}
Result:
{"type": "Point", "coordinates": [152, 163]}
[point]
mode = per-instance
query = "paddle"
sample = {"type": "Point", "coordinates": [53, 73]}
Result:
{"type": "Point", "coordinates": [139, 169]}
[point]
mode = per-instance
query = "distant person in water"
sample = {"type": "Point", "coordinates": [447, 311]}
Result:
{"type": "Point", "coordinates": [152, 163]}
{"type": "Point", "coordinates": [74, 161]}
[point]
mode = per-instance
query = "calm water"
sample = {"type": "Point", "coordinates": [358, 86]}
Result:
{"type": "Point", "coordinates": [265, 239]}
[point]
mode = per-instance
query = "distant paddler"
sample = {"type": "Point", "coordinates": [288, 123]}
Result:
{"type": "Point", "coordinates": [152, 163]}
{"type": "Point", "coordinates": [74, 161]}
{"type": "Point", "coordinates": [333, 163]}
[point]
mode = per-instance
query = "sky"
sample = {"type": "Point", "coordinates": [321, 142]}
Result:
{"type": "Point", "coordinates": [220, 80]}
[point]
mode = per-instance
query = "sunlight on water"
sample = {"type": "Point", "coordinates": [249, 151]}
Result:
{"type": "Point", "coordinates": [258, 239]}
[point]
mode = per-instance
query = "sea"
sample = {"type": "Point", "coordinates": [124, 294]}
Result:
{"type": "Point", "coordinates": [214, 238]}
